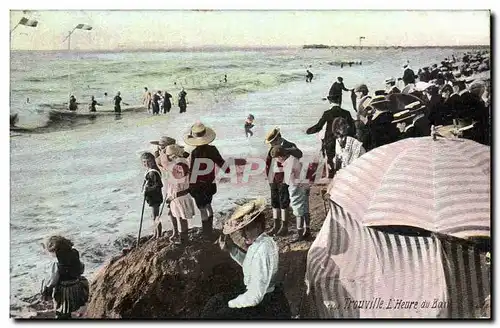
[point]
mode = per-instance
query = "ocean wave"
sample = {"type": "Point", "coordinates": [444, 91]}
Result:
{"type": "Point", "coordinates": [149, 74]}
{"type": "Point", "coordinates": [185, 69]}
{"type": "Point", "coordinates": [227, 66]}
{"type": "Point", "coordinates": [35, 79]}
{"type": "Point", "coordinates": [285, 78]}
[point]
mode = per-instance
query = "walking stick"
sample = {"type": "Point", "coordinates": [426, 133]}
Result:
{"type": "Point", "coordinates": [323, 193]}
{"type": "Point", "coordinates": [142, 216]}
{"type": "Point", "coordinates": [162, 206]}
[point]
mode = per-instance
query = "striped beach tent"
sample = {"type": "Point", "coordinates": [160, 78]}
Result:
{"type": "Point", "coordinates": [357, 272]}
{"type": "Point", "coordinates": [441, 186]}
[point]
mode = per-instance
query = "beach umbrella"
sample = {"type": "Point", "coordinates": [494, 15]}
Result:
{"type": "Point", "coordinates": [438, 185]}
{"type": "Point", "coordinates": [354, 271]}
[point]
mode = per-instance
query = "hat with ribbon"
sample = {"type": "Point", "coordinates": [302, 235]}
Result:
{"type": "Point", "coordinates": [164, 141]}
{"type": "Point", "coordinates": [273, 134]}
{"type": "Point", "coordinates": [175, 150]}
{"type": "Point", "coordinates": [199, 135]}
{"type": "Point", "coordinates": [244, 215]}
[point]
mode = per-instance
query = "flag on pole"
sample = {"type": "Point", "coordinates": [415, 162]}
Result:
{"type": "Point", "coordinates": [28, 22]}
{"type": "Point", "coordinates": [83, 27]}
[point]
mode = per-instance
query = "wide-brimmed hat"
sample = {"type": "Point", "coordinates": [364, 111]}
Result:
{"type": "Point", "coordinates": [390, 80]}
{"type": "Point", "coordinates": [175, 150]}
{"type": "Point", "coordinates": [361, 88]}
{"type": "Point", "coordinates": [244, 215]}
{"type": "Point", "coordinates": [459, 81]}
{"type": "Point", "coordinates": [421, 86]}
{"type": "Point", "coordinates": [379, 101]}
{"type": "Point", "coordinates": [363, 103]}
{"type": "Point", "coordinates": [273, 134]}
{"type": "Point", "coordinates": [411, 110]}
{"type": "Point", "coordinates": [199, 135]}
{"type": "Point", "coordinates": [164, 141]}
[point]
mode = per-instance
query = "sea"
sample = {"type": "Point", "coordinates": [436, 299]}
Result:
{"type": "Point", "coordinates": [82, 178]}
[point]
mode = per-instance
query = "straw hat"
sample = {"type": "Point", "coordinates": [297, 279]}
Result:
{"type": "Point", "coordinates": [390, 80]}
{"type": "Point", "coordinates": [244, 215]}
{"type": "Point", "coordinates": [164, 141]}
{"type": "Point", "coordinates": [411, 110]}
{"type": "Point", "coordinates": [174, 150]}
{"type": "Point", "coordinates": [364, 103]}
{"type": "Point", "coordinates": [361, 88]}
{"type": "Point", "coordinates": [200, 135]}
{"type": "Point", "coordinates": [379, 100]}
{"type": "Point", "coordinates": [272, 135]}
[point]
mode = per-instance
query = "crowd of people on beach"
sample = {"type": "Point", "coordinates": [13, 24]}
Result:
{"type": "Point", "coordinates": [160, 102]}
{"type": "Point", "coordinates": [92, 106]}
{"type": "Point", "coordinates": [445, 100]}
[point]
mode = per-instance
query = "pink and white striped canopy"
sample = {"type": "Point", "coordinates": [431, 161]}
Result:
{"type": "Point", "coordinates": [439, 185]}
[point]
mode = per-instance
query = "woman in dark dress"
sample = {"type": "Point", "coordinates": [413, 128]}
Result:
{"type": "Point", "coordinates": [118, 100]}
{"type": "Point", "coordinates": [73, 106]}
{"type": "Point", "coordinates": [167, 105]}
{"type": "Point", "coordinates": [182, 101]}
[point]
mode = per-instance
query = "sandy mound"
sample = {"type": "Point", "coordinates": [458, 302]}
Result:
{"type": "Point", "coordinates": [161, 280]}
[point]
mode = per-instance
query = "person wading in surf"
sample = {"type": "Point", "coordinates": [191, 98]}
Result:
{"type": "Point", "coordinates": [118, 101]}
{"type": "Point", "coordinates": [167, 105]}
{"type": "Point", "coordinates": [93, 103]}
{"type": "Point", "coordinates": [147, 99]}
{"type": "Point", "coordinates": [182, 101]}
{"type": "Point", "coordinates": [73, 106]}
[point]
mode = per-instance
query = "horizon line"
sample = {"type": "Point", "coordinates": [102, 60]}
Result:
{"type": "Point", "coordinates": [216, 47]}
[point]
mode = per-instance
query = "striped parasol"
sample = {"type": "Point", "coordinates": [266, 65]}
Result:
{"type": "Point", "coordinates": [354, 271]}
{"type": "Point", "coordinates": [438, 185]}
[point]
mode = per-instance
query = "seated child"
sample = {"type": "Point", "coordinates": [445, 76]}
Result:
{"type": "Point", "coordinates": [66, 285]}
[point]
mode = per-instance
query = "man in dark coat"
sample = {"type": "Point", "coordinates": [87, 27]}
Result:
{"type": "Point", "coordinates": [425, 76]}
{"type": "Point", "coordinates": [450, 106]}
{"type": "Point", "coordinates": [380, 126]}
{"type": "Point", "coordinates": [472, 109]}
{"type": "Point", "coordinates": [336, 90]}
{"type": "Point", "coordinates": [408, 75]}
{"type": "Point", "coordinates": [434, 72]}
{"type": "Point", "coordinates": [328, 141]}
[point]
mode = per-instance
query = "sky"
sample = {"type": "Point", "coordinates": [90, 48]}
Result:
{"type": "Point", "coordinates": [164, 29]}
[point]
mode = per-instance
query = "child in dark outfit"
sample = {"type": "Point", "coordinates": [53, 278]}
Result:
{"type": "Point", "coordinates": [152, 189]}
{"type": "Point", "coordinates": [249, 125]}
{"type": "Point", "coordinates": [66, 285]}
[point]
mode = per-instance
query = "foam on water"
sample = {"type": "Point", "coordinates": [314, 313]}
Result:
{"type": "Point", "coordinates": [85, 183]}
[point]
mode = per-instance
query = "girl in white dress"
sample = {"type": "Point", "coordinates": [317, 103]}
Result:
{"type": "Point", "coordinates": [180, 202]}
